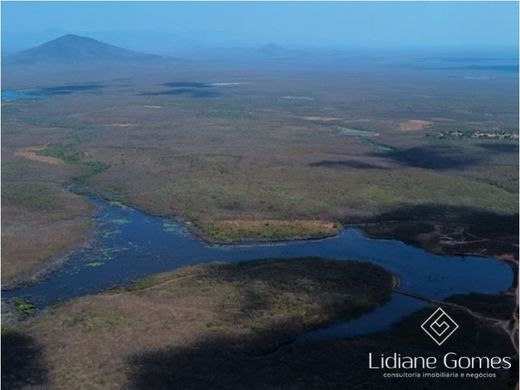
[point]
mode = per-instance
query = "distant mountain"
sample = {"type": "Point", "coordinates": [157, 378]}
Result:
{"type": "Point", "coordinates": [75, 49]}
{"type": "Point", "coordinates": [272, 49]}
{"type": "Point", "coordinates": [276, 51]}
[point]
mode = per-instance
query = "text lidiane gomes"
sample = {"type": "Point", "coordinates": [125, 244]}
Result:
{"type": "Point", "coordinates": [449, 361]}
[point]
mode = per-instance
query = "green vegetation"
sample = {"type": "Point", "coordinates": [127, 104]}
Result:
{"type": "Point", "coordinates": [70, 154]}
{"type": "Point", "coordinates": [67, 153]}
{"type": "Point", "coordinates": [226, 231]}
{"type": "Point", "coordinates": [217, 235]}
{"type": "Point", "coordinates": [92, 168]}
{"type": "Point", "coordinates": [23, 308]}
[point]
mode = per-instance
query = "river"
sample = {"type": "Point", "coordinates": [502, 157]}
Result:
{"type": "Point", "coordinates": [131, 244]}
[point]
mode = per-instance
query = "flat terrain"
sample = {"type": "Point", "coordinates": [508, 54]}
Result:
{"type": "Point", "coordinates": [254, 308]}
{"type": "Point", "coordinates": [263, 151]}
{"type": "Point", "coordinates": [41, 220]}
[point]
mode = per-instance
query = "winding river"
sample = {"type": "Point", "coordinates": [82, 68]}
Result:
{"type": "Point", "coordinates": [132, 244]}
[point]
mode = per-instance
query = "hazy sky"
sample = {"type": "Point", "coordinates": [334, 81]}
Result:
{"type": "Point", "coordinates": [346, 24]}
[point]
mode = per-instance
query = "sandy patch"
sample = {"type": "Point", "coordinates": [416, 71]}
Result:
{"type": "Point", "coordinates": [321, 118]}
{"type": "Point", "coordinates": [228, 84]}
{"type": "Point", "coordinates": [297, 97]}
{"type": "Point", "coordinates": [414, 125]}
{"type": "Point", "coordinates": [31, 153]}
{"type": "Point", "coordinates": [124, 124]}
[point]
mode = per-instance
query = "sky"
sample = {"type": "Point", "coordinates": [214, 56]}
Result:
{"type": "Point", "coordinates": [158, 25]}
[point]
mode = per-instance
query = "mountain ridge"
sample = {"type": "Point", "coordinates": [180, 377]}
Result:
{"type": "Point", "coordinates": [272, 49]}
{"type": "Point", "coordinates": [76, 49]}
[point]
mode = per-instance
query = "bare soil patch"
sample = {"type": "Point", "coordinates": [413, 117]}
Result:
{"type": "Point", "coordinates": [414, 125]}
{"type": "Point", "coordinates": [31, 153]}
{"type": "Point", "coordinates": [321, 118]}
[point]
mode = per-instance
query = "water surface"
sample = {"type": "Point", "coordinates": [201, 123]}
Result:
{"type": "Point", "coordinates": [43, 92]}
{"type": "Point", "coordinates": [132, 244]}
{"type": "Point", "coordinates": [355, 133]}
{"type": "Point", "coordinates": [8, 95]}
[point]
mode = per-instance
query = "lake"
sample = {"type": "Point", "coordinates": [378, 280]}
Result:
{"type": "Point", "coordinates": [131, 244]}
{"type": "Point", "coordinates": [355, 133]}
{"type": "Point", "coordinates": [41, 93]}
{"type": "Point", "coordinates": [8, 95]}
